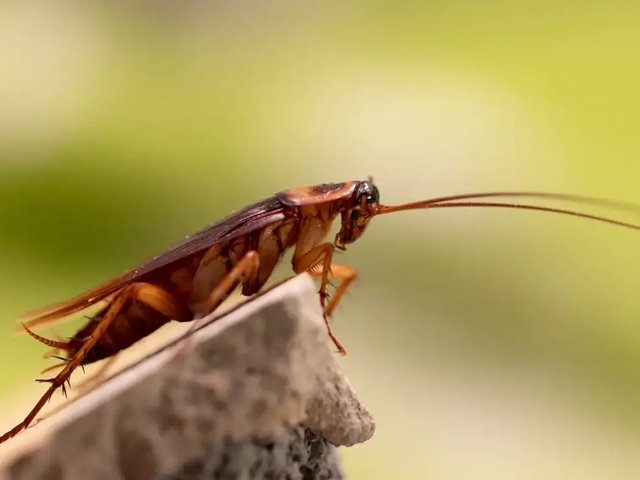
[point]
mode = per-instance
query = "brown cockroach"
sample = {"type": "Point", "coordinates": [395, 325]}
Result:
{"type": "Point", "coordinates": [193, 278]}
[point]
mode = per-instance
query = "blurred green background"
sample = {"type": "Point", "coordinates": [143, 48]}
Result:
{"type": "Point", "coordinates": [488, 344]}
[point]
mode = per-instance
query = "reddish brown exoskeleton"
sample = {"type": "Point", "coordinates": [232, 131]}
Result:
{"type": "Point", "coordinates": [192, 279]}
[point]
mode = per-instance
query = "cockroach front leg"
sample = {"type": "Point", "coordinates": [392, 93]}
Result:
{"type": "Point", "coordinates": [151, 295]}
{"type": "Point", "coordinates": [346, 275]}
{"type": "Point", "coordinates": [317, 262]}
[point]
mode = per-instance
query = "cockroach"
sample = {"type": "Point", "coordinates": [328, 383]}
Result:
{"type": "Point", "coordinates": [190, 280]}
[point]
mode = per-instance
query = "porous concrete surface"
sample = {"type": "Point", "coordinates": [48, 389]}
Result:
{"type": "Point", "coordinates": [258, 393]}
{"type": "Point", "coordinates": [295, 454]}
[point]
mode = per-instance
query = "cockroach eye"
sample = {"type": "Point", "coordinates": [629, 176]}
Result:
{"type": "Point", "coordinates": [370, 193]}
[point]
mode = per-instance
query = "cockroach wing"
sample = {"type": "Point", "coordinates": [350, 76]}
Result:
{"type": "Point", "coordinates": [235, 225]}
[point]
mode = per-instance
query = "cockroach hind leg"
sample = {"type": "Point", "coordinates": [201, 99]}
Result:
{"type": "Point", "coordinates": [46, 380]}
{"type": "Point", "coordinates": [131, 291]}
{"type": "Point", "coordinates": [62, 359]}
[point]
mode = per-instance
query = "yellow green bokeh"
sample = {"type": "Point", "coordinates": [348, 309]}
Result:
{"type": "Point", "coordinates": [488, 344]}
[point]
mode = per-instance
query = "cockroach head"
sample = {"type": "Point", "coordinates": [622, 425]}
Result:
{"type": "Point", "coordinates": [362, 205]}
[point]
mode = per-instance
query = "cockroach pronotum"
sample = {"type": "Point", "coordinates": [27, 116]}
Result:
{"type": "Point", "coordinates": [193, 278]}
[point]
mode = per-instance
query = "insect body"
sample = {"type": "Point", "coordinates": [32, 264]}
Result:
{"type": "Point", "coordinates": [192, 279]}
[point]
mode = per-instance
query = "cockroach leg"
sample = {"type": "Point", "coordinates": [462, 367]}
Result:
{"type": "Point", "coordinates": [247, 266]}
{"type": "Point", "coordinates": [346, 275]}
{"type": "Point", "coordinates": [143, 292]}
{"type": "Point", "coordinates": [311, 261]}
{"type": "Point", "coordinates": [53, 367]}
{"type": "Point", "coordinates": [320, 256]}
{"type": "Point", "coordinates": [59, 380]}
{"type": "Point", "coordinates": [162, 301]}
